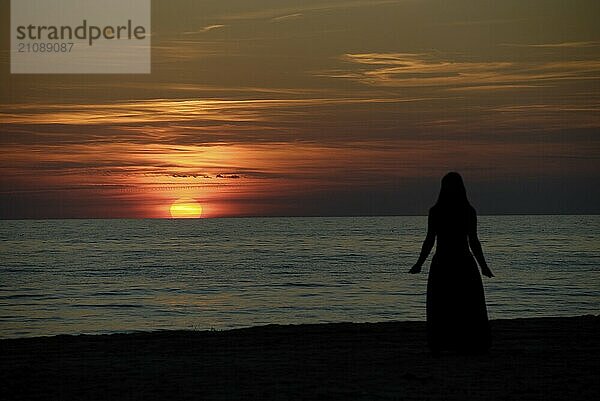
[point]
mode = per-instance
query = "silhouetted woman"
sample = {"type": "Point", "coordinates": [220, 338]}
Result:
{"type": "Point", "coordinates": [456, 313]}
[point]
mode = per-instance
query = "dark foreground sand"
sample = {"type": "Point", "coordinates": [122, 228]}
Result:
{"type": "Point", "coordinates": [531, 359]}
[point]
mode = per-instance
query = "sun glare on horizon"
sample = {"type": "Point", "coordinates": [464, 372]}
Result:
{"type": "Point", "coordinates": [186, 208]}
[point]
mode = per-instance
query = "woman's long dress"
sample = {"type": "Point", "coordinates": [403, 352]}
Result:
{"type": "Point", "coordinates": [456, 312]}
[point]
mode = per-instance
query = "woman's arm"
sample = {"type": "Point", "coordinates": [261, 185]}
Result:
{"type": "Point", "coordinates": [427, 246]}
{"type": "Point", "coordinates": [475, 246]}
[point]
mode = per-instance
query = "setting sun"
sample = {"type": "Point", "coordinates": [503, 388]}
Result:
{"type": "Point", "coordinates": [185, 208]}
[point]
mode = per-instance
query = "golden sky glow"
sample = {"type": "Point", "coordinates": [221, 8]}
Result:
{"type": "Point", "coordinates": [316, 107]}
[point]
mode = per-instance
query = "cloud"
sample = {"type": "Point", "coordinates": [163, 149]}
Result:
{"type": "Point", "coordinates": [484, 22]}
{"type": "Point", "coordinates": [206, 29]}
{"type": "Point", "coordinates": [271, 13]}
{"type": "Point", "coordinates": [287, 17]}
{"type": "Point", "coordinates": [213, 27]}
{"type": "Point", "coordinates": [234, 176]}
{"type": "Point", "coordinates": [191, 175]}
{"type": "Point", "coordinates": [495, 87]}
{"type": "Point", "coordinates": [172, 110]}
{"type": "Point", "coordinates": [427, 69]}
{"type": "Point", "coordinates": [561, 45]}
{"type": "Point", "coordinates": [202, 175]}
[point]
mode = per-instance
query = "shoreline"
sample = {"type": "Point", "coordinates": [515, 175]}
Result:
{"type": "Point", "coordinates": [550, 358]}
{"type": "Point", "coordinates": [267, 327]}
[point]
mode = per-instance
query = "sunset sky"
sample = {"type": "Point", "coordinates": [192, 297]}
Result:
{"type": "Point", "coordinates": [330, 107]}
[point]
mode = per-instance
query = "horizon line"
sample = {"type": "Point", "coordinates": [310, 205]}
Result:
{"type": "Point", "coordinates": [286, 216]}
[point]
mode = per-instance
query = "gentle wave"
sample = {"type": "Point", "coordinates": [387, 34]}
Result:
{"type": "Point", "coordinates": [102, 276]}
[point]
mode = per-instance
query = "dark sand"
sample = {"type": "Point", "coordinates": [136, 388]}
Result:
{"type": "Point", "coordinates": [531, 359]}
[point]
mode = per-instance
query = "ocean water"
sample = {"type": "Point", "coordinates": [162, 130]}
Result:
{"type": "Point", "coordinates": [104, 276]}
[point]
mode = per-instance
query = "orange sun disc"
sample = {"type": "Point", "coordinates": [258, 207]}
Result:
{"type": "Point", "coordinates": [185, 208]}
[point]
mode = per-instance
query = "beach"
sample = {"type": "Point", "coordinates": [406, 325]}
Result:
{"type": "Point", "coordinates": [531, 359]}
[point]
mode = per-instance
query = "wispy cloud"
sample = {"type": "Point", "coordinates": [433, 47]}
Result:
{"type": "Point", "coordinates": [287, 17]}
{"type": "Point", "coordinates": [274, 12]}
{"type": "Point", "coordinates": [494, 87]}
{"type": "Point", "coordinates": [170, 110]}
{"type": "Point", "coordinates": [572, 45]}
{"type": "Point", "coordinates": [422, 69]}
{"type": "Point", "coordinates": [548, 108]}
{"type": "Point", "coordinates": [206, 29]}
{"type": "Point", "coordinates": [484, 22]}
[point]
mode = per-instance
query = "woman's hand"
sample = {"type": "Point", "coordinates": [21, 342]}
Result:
{"type": "Point", "coordinates": [415, 269]}
{"type": "Point", "coordinates": [487, 272]}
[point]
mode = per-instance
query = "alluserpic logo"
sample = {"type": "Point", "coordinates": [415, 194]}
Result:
{"type": "Point", "coordinates": [80, 36]}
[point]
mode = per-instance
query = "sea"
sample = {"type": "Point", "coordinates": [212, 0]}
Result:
{"type": "Point", "coordinates": [109, 276]}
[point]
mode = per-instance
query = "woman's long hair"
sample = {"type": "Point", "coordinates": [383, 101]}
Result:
{"type": "Point", "coordinates": [453, 194]}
